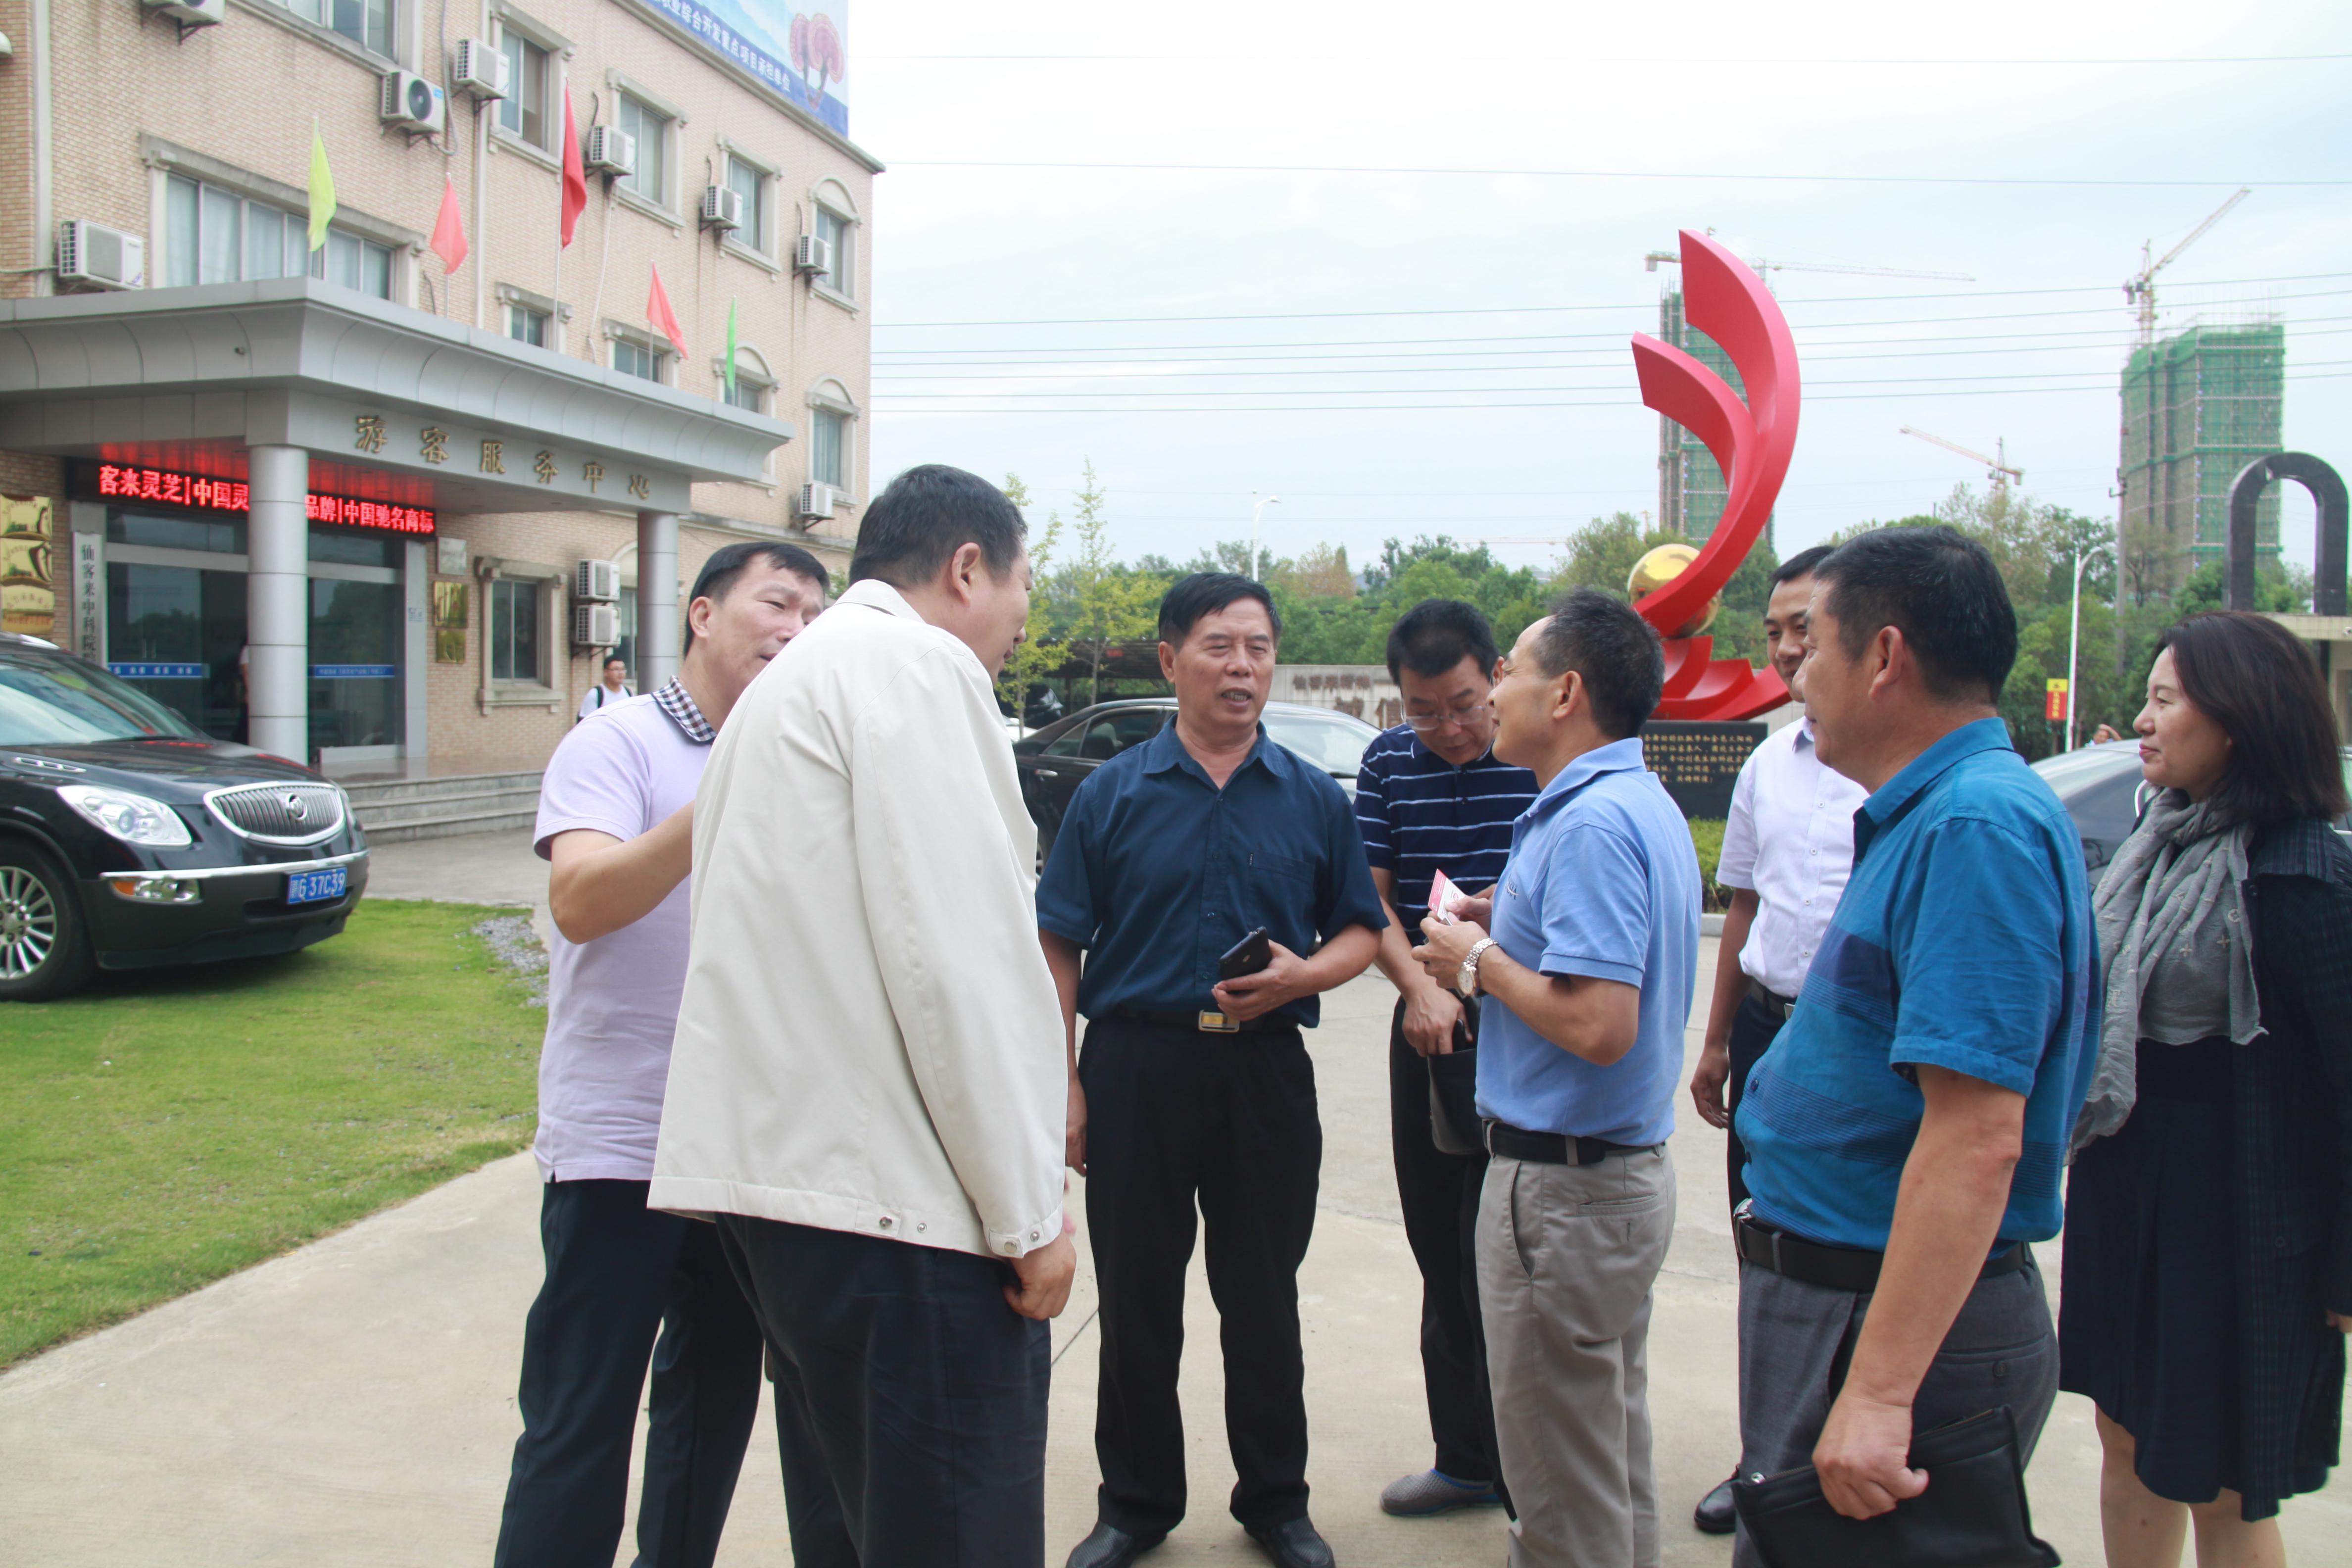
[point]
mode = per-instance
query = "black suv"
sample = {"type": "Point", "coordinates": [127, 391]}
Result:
{"type": "Point", "coordinates": [128, 840]}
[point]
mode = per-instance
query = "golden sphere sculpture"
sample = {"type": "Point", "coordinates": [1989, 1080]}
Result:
{"type": "Point", "coordinates": [1661, 565]}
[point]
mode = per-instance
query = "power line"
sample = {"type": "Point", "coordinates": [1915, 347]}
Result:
{"type": "Point", "coordinates": [1733, 176]}
{"type": "Point", "coordinates": [1743, 61]}
{"type": "Point", "coordinates": [1638, 305]}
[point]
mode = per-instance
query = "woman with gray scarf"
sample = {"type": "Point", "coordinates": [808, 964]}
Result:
{"type": "Point", "coordinates": [2208, 1272]}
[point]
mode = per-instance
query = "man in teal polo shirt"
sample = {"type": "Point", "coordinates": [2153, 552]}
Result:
{"type": "Point", "coordinates": [1906, 1130]}
{"type": "Point", "coordinates": [1592, 969]}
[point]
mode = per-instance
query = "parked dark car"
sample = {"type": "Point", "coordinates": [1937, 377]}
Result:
{"type": "Point", "coordinates": [2103, 789]}
{"type": "Point", "coordinates": [130, 841]}
{"type": "Point", "coordinates": [1055, 761]}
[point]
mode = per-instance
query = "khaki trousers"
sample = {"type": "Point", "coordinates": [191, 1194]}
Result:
{"type": "Point", "coordinates": [1566, 1255]}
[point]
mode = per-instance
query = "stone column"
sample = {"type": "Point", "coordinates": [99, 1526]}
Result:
{"type": "Point", "coordinates": [659, 635]}
{"type": "Point", "coordinates": [278, 602]}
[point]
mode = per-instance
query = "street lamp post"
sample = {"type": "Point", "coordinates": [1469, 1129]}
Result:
{"type": "Point", "coordinates": [2074, 645]}
{"type": "Point", "coordinates": [1256, 512]}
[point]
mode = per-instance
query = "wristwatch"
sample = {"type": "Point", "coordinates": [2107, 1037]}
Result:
{"type": "Point", "coordinates": [1466, 981]}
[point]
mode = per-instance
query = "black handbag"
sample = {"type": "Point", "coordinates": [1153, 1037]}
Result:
{"type": "Point", "coordinates": [1973, 1515]}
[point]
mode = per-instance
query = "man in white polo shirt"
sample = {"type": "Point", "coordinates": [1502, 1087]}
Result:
{"type": "Point", "coordinates": [615, 823]}
{"type": "Point", "coordinates": [1788, 850]}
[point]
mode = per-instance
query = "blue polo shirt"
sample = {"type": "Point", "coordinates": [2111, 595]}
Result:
{"type": "Point", "coordinates": [1157, 873]}
{"type": "Point", "coordinates": [1420, 814]}
{"type": "Point", "coordinates": [1602, 882]}
{"type": "Point", "coordinates": [1964, 942]}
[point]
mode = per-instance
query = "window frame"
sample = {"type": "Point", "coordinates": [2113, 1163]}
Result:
{"type": "Point", "coordinates": [392, 20]}
{"type": "Point", "coordinates": [831, 396]}
{"type": "Point", "coordinates": [830, 198]}
{"type": "Point", "coordinates": [674, 121]}
{"type": "Point", "coordinates": [210, 196]}
{"type": "Point", "coordinates": [618, 336]}
{"type": "Point", "coordinates": [529, 42]}
{"type": "Point", "coordinates": [517, 312]}
{"type": "Point", "coordinates": [537, 591]}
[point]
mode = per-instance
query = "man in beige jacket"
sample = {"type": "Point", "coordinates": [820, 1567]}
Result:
{"type": "Point", "coordinates": [867, 1090]}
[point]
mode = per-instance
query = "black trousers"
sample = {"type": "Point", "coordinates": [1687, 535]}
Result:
{"type": "Point", "coordinates": [1752, 1029]}
{"type": "Point", "coordinates": [617, 1274]}
{"type": "Point", "coordinates": [1439, 1194]}
{"type": "Point", "coordinates": [1176, 1118]}
{"type": "Point", "coordinates": [910, 1399]}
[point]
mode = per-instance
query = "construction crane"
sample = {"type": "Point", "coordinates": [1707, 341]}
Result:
{"type": "Point", "coordinates": [1650, 264]}
{"type": "Point", "coordinates": [1999, 471]}
{"type": "Point", "coordinates": [2141, 291]}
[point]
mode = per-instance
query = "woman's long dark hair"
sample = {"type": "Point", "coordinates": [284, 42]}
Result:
{"type": "Point", "coordinates": [2256, 680]}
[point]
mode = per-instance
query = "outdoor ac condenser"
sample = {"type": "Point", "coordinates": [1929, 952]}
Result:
{"type": "Point", "coordinates": [190, 13]}
{"type": "Point", "coordinates": [98, 256]}
{"type": "Point", "coordinates": [817, 501]}
{"type": "Point", "coordinates": [721, 207]}
{"type": "Point", "coordinates": [811, 254]}
{"type": "Point", "coordinates": [481, 69]}
{"type": "Point", "coordinates": [598, 582]}
{"type": "Point", "coordinates": [414, 103]}
{"type": "Point", "coordinates": [595, 626]}
{"type": "Point", "coordinates": [612, 150]}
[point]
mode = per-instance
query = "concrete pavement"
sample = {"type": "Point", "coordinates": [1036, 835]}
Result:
{"type": "Point", "coordinates": [354, 1402]}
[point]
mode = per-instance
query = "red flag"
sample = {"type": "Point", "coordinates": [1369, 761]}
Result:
{"type": "Point", "coordinates": [575, 178]}
{"type": "Point", "coordinates": [658, 313]}
{"type": "Point", "coordinates": [449, 229]}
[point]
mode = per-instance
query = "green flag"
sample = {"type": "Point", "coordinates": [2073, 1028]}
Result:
{"type": "Point", "coordinates": [728, 371]}
{"type": "Point", "coordinates": [323, 189]}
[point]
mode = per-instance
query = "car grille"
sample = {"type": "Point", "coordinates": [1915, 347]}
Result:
{"type": "Point", "coordinates": [294, 813]}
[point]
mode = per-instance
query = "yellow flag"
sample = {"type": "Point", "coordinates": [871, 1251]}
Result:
{"type": "Point", "coordinates": [323, 189]}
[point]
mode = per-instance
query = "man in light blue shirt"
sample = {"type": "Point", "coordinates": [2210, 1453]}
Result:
{"type": "Point", "coordinates": [1592, 966]}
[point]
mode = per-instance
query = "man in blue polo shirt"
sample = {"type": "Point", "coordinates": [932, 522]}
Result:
{"type": "Point", "coordinates": [1432, 797]}
{"type": "Point", "coordinates": [1906, 1130]}
{"type": "Point", "coordinates": [1590, 973]}
{"type": "Point", "coordinates": [1197, 1090]}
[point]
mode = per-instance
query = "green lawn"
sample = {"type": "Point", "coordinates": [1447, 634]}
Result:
{"type": "Point", "coordinates": [165, 1129]}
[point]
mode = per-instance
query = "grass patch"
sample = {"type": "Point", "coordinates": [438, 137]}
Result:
{"type": "Point", "coordinates": [167, 1128]}
{"type": "Point", "coordinates": [1707, 837]}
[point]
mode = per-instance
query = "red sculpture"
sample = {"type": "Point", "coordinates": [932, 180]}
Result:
{"type": "Point", "coordinates": [1752, 442]}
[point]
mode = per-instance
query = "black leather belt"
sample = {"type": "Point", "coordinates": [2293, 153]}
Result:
{"type": "Point", "coordinates": [1209, 1023]}
{"type": "Point", "coordinates": [1838, 1267]}
{"type": "Point", "coordinates": [1773, 1002]}
{"type": "Point", "coordinates": [1554, 1147]}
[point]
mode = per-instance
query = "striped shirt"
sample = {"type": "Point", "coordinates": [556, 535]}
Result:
{"type": "Point", "coordinates": [1420, 814]}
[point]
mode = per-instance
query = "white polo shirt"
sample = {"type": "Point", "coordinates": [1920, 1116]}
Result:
{"type": "Point", "coordinates": [1790, 839]}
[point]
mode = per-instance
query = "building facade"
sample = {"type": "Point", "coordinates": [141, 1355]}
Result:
{"type": "Point", "coordinates": [1692, 489]}
{"type": "Point", "coordinates": [2197, 408]}
{"type": "Point", "coordinates": [349, 502]}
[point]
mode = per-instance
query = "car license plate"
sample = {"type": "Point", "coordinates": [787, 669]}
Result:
{"type": "Point", "coordinates": [317, 886]}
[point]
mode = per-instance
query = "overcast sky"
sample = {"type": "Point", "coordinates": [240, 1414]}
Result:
{"type": "Point", "coordinates": [1140, 316]}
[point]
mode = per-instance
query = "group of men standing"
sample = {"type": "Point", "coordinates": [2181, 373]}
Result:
{"type": "Point", "coordinates": [866, 1068]}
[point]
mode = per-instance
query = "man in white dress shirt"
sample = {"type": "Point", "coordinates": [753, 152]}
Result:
{"type": "Point", "coordinates": [1788, 850]}
{"type": "Point", "coordinates": [867, 1088]}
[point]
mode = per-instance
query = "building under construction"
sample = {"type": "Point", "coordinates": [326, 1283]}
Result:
{"type": "Point", "coordinates": [1691, 489]}
{"type": "Point", "coordinates": [2197, 407]}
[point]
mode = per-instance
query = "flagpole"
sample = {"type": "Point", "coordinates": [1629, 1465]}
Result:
{"type": "Point", "coordinates": [556, 293]}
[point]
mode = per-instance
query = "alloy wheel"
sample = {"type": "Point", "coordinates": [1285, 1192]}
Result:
{"type": "Point", "coordinates": [29, 923]}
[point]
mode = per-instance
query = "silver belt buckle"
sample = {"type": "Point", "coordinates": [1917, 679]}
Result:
{"type": "Point", "coordinates": [1219, 1024]}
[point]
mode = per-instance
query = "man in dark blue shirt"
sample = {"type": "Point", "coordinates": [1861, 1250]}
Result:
{"type": "Point", "coordinates": [1432, 797]}
{"type": "Point", "coordinates": [1196, 1089]}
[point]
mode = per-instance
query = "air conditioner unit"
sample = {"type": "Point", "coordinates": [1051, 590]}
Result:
{"type": "Point", "coordinates": [811, 254]}
{"type": "Point", "coordinates": [414, 103]}
{"type": "Point", "coordinates": [612, 150]}
{"type": "Point", "coordinates": [597, 581]}
{"type": "Point", "coordinates": [481, 69]}
{"type": "Point", "coordinates": [190, 13]}
{"type": "Point", "coordinates": [102, 258]}
{"type": "Point", "coordinates": [721, 207]}
{"type": "Point", "coordinates": [817, 501]}
{"type": "Point", "coordinates": [595, 626]}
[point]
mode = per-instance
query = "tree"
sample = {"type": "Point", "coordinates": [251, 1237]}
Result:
{"type": "Point", "coordinates": [1321, 573]}
{"type": "Point", "coordinates": [1109, 604]}
{"type": "Point", "coordinates": [1037, 656]}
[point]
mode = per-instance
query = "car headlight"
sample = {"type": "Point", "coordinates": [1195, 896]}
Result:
{"type": "Point", "coordinates": [134, 818]}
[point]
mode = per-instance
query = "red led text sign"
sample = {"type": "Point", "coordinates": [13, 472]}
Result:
{"type": "Point", "coordinates": [236, 494]}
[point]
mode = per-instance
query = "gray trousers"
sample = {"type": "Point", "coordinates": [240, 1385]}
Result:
{"type": "Point", "coordinates": [1566, 1257]}
{"type": "Point", "coordinates": [1796, 1340]}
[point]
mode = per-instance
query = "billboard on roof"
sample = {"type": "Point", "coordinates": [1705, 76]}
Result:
{"type": "Point", "coordinates": [800, 49]}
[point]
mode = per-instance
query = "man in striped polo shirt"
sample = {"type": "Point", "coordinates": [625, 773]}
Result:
{"type": "Point", "coordinates": [1432, 797]}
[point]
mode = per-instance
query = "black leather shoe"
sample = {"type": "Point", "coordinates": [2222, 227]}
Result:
{"type": "Point", "coordinates": [1715, 1515]}
{"type": "Point", "coordinates": [1111, 1547]}
{"type": "Point", "coordinates": [1294, 1543]}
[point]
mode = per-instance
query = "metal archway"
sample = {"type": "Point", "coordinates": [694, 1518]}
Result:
{"type": "Point", "coordinates": [2327, 487]}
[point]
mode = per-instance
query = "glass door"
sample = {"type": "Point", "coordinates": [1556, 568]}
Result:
{"type": "Point", "coordinates": [355, 691]}
{"type": "Point", "coordinates": [177, 633]}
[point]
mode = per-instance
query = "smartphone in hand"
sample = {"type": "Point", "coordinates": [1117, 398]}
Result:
{"type": "Point", "coordinates": [1247, 956]}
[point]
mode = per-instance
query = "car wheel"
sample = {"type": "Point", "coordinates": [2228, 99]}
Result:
{"type": "Point", "coordinates": [44, 949]}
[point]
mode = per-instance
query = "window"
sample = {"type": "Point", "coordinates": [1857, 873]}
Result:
{"type": "Point", "coordinates": [748, 394]}
{"type": "Point", "coordinates": [525, 325]}
{"type": "Point", "coordinates": [633, 358]}
{"type": "Point", "coordinates": [828, 436]}
{"type": "Point", "coordinates": [650, 128]}
{"type": "Point", "coordinates": [350, 262]}
{"type": "Point", "coordinates": [213, 235]}
{"type": "Point", "coordinates": [523, 110]}
{"type": "Point", "coordinates": [751, 182]}
{"type": "Point", "coordinates": [514, 629]}
{"type": "Point", "coordinates": [365, 21]}
{"type": "Point", "coordinates": [840, 234]}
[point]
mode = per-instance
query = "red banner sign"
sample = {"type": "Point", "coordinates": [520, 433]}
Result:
{"type": "Point", "coordinates": [236, 494]}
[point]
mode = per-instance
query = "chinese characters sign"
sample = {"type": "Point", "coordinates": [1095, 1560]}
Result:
{"type": "Point", "coordinates": [1698, 762]}
{"type": "Point", "coordinates": [236, 494]}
